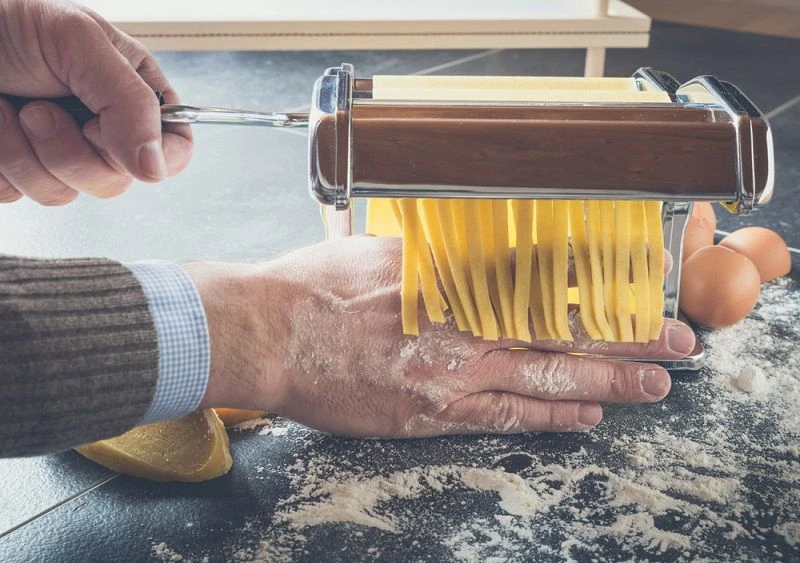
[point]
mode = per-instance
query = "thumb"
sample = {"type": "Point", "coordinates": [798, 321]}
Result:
{"type": "Point", "coordinates": [108, 83]}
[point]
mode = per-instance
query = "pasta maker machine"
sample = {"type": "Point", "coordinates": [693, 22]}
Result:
{"type": "Point", "coordinates": [708, 142]}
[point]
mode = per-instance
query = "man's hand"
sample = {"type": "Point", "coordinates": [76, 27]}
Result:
{"type": "Point", "coordinates": [316, 336]}
{"type": "Point", "coordinates": [56, 48]}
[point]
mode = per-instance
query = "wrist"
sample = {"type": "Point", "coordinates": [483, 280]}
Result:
{"type": "Point", "coordinates": [243, 307]}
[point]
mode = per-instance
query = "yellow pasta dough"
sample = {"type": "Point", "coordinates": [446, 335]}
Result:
{"type": "Point", "coordinates": [617, 256]}
{"type": "Point", "coordinates": [194, 448]}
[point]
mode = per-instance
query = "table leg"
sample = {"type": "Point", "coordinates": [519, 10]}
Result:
{"type": "Point", "coordinates": [595, 61]}
{"type": "Point", "coordinates": [596, 56]}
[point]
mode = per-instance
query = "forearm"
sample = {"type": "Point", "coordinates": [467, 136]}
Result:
{"type": "Point", "coordinates": [78, 353]}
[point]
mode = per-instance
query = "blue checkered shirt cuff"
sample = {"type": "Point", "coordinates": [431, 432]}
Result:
{"type": "Point", "coordinates": [184, 354]}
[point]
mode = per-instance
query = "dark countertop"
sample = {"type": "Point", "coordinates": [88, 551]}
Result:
{"type": "Point", "coordinates": [711, 472]}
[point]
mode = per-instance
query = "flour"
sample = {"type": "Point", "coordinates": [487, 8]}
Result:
{"type": "Point", "coordinates": [791, 531]}
{"type": "Point", "coordinates": [548, 376]}
{"type": "Point", "coordinates": [751, 379]}
{"type": "Point", "coordinates": [271, 431]}
{"type": "Point", "coordinates": [673, 481]}
{"type": "Point", "coordinates": [162, 552]}
{"type": "Point", "coordinates": [253, 424]}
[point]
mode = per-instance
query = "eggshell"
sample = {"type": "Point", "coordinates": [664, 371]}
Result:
{"type": "Point", "coordinates": [699, 233]}
{"type": "Point", "coordinates": [706, 211]}
{"type": "Point", "coordinates": [765, 248]}
{"type": "Point", "coordinates": [719, 287]}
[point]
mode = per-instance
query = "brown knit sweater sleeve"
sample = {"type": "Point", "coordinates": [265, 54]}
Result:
{"type": "Point", "coordinates": [78, 353]}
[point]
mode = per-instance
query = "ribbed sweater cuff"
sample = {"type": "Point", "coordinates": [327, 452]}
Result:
{"type": "Point", "coordinates": [78, 353]}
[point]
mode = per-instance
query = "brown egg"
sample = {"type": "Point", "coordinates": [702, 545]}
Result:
{"type": "Point", "coordinates": [698, 234]}
{"type": "Point", "coordinates": [706, 211]}
{"type": "Point", "coordinates": [719, 287]}
{"type": "Point", "coordinates": [765, 248]}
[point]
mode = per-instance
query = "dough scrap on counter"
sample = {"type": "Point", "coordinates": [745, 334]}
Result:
{"type": "Point", "coordinates": [231, 417]}
{"type": "Point", "coordinates": [194, 448]}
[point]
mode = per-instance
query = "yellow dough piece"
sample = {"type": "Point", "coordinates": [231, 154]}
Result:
{"type": "Point", "coordinates": [583, 274]}
{"type": "Point", "coordinates": [544, 254]}
{"type": "Point", "coordinates": [458, 263]}
{"type": "Point", "coordinates": [641, 276]}
{"type": "Point", "coordinates": [513, 95]}
{"type": "Point", "coordinates": [489, 250]}
{"type": "Point", "coordinates": [655, 261]}
{"type": "Point", "coordinates": [505, 287]}
{"type": "Point", "coordinates": [477, 265]}
{"type": "Point", "coordinates": [594, 234]}
{"type": "Point", "coordinates": [194, 448]}
{"type": "Point", "coordinates": [230, 417]}
{"type": "Point", "coordinates": [432, 298]}
{"type": "Point", "coordinates": [523, 222]}
{"type": "Point", "coordinates": [622, 270]}
{"type": "Point", "coordinates": [408, 288]}
{"type": "Point", "coordinates": [382, 83]}
{"type": "Point", "coordinates": [382, 220]}
{"type": "Point", "coordinates": [608, 239]}
{"type": "Point", "coordinates": [442, 261]}
{"type": "Point", "coordinates": [560, 269]}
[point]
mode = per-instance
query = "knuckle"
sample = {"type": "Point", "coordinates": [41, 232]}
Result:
{"type": "Point", "coordinates": [507, 413]}
{"type": "Point", "coordinates": [622, 384]}
{"type": "Point", "coordinates": [553, 418]}
{"type": "Point", "coordinates": [16, 164]}
{"type": "Point", "coordinates": [562, 417]}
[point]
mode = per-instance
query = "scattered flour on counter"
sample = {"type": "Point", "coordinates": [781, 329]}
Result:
{"type": "Point", "coordinates": [751, 379]}
{"type": "Point", "coordinates": [255, 423]}
{"type": "Point", "coordinates": [789, 530]}
{"type": "Point", "coordinates": [162, 552]}
{"type": "Point", "coordinates": [271, 431]}
{"type": "Point", "coordinates": [654, 492]}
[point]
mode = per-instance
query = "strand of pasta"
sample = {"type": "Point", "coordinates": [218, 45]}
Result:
{"type": "Point", "coordinates": [523, 222]}
{"type": "Point", "coordinates": [655, 257]}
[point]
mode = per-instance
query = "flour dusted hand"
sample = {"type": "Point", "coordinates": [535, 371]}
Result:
{"type": "Point", "coordinates": [315, 335]}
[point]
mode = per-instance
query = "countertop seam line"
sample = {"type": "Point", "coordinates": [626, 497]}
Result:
{"type": "Point", "coordinates": [59, 504]}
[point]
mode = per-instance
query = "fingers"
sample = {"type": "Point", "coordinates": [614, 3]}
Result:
{"type": "Point", "coordinates": [176, 139]}
{"type": "Point", "coordinates": [497, 412]}
{"type": "Point", "coordinates": [66, 154]}
{"type": "Point", "coordinates": [676, 341]}
{"type": "Point", "coordinates": [8, 193]}
{"type": "Point", "coordinates": [20, 167]}
{"type": "Point", "coordinates": [92, 134]}
{"type": "Point", "coordinates": [130, 117]}
{"type": "Point", "coordinates": [555, 376]}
